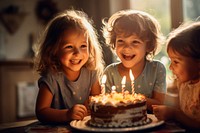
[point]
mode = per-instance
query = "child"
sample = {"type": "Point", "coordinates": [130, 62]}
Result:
{"type": "Point", "coordinates": [70, 63]}
{"type": "Point", "coordinates": [135, 37]}
{"type": "Point", "coordinates": [184, 51]}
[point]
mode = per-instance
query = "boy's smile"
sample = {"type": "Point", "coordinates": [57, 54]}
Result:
{"type": "Point", "coordinates": [131, 50]}
{"type": "Point", "coordinates": [128, 57]}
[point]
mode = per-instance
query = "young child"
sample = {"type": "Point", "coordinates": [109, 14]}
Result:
{"type": "Point", "coordinates": [184, 51]}
{"type": "Point", "coordinates": [70, 62]}
{"type": "Point", "coordinates": [135, 37]}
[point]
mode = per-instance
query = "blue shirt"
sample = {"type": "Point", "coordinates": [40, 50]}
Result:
{"type": "Point", "coordinates": [67, 93]}
{"type": "Point", "coordinates": [153, 78]}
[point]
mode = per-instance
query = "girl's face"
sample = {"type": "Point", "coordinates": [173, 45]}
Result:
{"type": "Point", "coordinates": [185, 68]}
{"type": "Point", "coordinates": [75, 50]}
{"type": "Point", "coordinates": [131, 50]}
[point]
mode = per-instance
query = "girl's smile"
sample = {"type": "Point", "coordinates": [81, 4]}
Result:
{"type": "Point", "coordinates": [75, 51]}
{"type": "Point", "coordinates": [75, 61]}
{"type": "Point", "coordinates": [185, 68]}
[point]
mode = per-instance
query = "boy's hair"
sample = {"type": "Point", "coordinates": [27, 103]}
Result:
{"type": "Point", "coordinates": [128, 22]}
{"type": "Point", "coordinates": [47, 56]}
{"type": "Point", "coordinates": [185, 40]}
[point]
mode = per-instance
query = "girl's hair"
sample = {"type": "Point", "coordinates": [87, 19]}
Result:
{"type": "Point", "coordinates": [47, 56]}
{"type": "Point", "coordinates": [128, 22]}
{"type": "Point", "coordinates": [185, 40]}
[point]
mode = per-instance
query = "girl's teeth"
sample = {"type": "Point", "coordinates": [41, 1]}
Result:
{"type": "Point", "coordinates": [75, 61]}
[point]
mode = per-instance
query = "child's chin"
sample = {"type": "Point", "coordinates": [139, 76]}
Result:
{"type": "Point", "coordinates": [127, 65]}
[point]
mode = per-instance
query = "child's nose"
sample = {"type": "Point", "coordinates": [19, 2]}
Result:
{"type": "Point", "coordinates": [76, 51]}
{"type": "Point", "coordinates": [127, 46]}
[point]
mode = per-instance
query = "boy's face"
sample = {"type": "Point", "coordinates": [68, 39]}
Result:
{"type": "Point", "coordinates": [75, 50]}
{"type": "Point", "coordinates": [185, 68]}
{"type": "Point", "coordinates": [131, 50]}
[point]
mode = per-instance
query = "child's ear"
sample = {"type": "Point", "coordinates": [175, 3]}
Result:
{"type": "Point", "coordinates": [149, 47]}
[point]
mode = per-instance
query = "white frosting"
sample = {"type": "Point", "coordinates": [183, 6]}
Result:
{"type": "Point", "coordinates": [121, 119]}
{"type": "Point", "coordinates": [130, 113]}
{"type": "Point", "coordinates": [120, 123]}
{"type": "Point", "coordinates": [115, 100]}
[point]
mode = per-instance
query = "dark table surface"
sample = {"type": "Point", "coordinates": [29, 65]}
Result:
{"type": "Point", "coordinates": [34, 126]}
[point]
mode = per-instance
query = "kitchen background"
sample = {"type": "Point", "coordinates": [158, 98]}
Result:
{"type": "Point", "coordinates": [22, 21]}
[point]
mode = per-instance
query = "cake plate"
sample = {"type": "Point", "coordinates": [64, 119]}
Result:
{"type": "Point", "coordinates": [82, 125]}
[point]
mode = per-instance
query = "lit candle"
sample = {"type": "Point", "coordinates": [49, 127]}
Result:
{"type": "Point", "coordinates": [123, 85]}
{"type": "Point", "coordinates": [103, 81]}
{"type": "Point", "coordinates": [132, 82]}
{"type": "Point", "coordinates": [113, 89]}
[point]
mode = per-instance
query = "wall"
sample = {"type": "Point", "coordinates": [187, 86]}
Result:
{"type": "Point", "coordinates": [16, 45]}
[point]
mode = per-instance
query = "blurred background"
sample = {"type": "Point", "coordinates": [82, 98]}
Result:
{"type": "Point", "coordinates": [22, 21]}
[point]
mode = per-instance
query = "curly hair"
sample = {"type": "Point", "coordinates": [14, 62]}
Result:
{"type": "Point", "coordinates": [47, 54]}
{"type": "Point", "coordinates": [128, 22]}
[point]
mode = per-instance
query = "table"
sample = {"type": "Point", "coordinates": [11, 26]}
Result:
{"type": "Point", "coordinates": [34, 126]}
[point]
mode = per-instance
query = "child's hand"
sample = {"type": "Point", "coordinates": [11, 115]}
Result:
{"type": "Point", "coordinates": [163, 112]}
{"type": "Point", "coordinates": [86, 103]}
{"type": "Point", "coordinates": [88, 112]}
{"type": "Point", "coordinates": [77, 112]}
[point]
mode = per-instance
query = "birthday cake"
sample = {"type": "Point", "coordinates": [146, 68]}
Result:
{"type": "Point", "coordinates": [118, 110]}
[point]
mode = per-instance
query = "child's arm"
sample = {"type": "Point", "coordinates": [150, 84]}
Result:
{"type": "Point", "coordinates": [95, 90]}
{"type": "Point", "coordinates": [185, 120]}
{"type": "Point", "coordinates": [163, 112]}
{"type": "Point", "coordinates": [157, 99]}
{"type": "Point", "coordinates": [45, 113]}
{"type": "Point", "coordinates": [159, 88]}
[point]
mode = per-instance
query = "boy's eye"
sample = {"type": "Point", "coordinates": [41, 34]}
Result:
{"type": "Point", "coordinates": [119, 41]}
{"type": "Point", "coordinates": [135, 42]}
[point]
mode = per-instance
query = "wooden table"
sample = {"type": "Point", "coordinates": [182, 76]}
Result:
{"type": "Point", "coordinates": [34, 126]}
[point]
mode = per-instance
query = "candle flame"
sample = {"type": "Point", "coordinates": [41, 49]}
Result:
{"type": "Point", "coordinates": [131, 75]}
{"type": "Point", "coordinates": [103, 81]}
{"type": "Point", "coordinates": [123, 80]}
{"type": "Point", "coordinates": [113, 88]}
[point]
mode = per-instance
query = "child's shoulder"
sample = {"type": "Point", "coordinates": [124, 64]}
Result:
{"type": "Point", "coordinates": [86, 71]}
{"type": "Point", "coordinates": [155, 63]}
{"type": "Point", "coordinates": [52, 76]}
{"type": "Point", "coordinates": [112, 67]}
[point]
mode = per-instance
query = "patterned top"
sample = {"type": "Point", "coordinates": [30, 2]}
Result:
{"type": "Point", "coordinates": [189, 98]}
{"type": "Point", "coordinates": [67, 93]}
{"type": "Point", "coordinates": [153, 78]}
